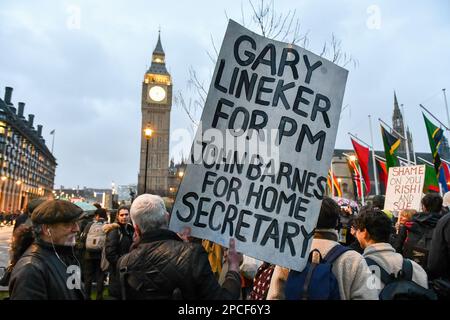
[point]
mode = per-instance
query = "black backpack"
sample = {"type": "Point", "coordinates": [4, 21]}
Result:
{"type": "Point", "coordinates": [418, 244]}
{"type": "Point", "coordinates": [401, 287]}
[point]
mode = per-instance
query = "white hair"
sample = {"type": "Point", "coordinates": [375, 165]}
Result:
{"type": "Point", "coordinates": [148, 213]}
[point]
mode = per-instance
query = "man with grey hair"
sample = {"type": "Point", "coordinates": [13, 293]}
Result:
{"type": "Point", "coordinates": [163, 266]}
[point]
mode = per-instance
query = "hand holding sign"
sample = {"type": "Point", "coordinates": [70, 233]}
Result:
{"type": "Point", "coordinates": [259, 161]}
{"type": "Point", "coordinates": [234, 258]}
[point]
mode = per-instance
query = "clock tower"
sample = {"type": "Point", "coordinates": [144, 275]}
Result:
{"type": "Point", "coordinates": [155, 106]}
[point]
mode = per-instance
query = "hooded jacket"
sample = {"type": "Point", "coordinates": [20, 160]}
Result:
{"type": "Point", "coordinates": [419, 229]}
{"type": "Point", "coordinates": [119, 238]}
{"type": "Point", "coordinates": [162, 266]}
{"type": "Point", "coordinates": [41, 275]}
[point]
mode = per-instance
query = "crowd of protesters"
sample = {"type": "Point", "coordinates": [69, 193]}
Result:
{"type": "Point", "coordinates": [367, 254]}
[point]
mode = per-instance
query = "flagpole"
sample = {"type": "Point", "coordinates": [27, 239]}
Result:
{"type": "Point", "coordinates": [380, 158]}
{"type": "Point", "coordinates": [53, 140]}
{"type": "Point", "coordinates": [406, 134]}
{"type": "Point", "coordinates": [434, 117]}
{"type": "Point", "coordinates": [401, 137]}
{"type": "Point", "coordinates": [370, 147]}
{"type": "Point", "coordinates": [426, 161]}
{"type": "Point", "coordinates": [361, 179]}
{"type": "Point", "coordinates": [373, 157]}
{"type": "Point", "coordinates": [332, 178]}
{"type": "Point", "coordinates": [446, 107]}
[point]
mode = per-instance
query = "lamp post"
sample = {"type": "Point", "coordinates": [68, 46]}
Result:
{"type": "Point", "coordinates": [148, 133]}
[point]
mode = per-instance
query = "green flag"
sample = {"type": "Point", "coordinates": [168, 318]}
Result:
{"type": "Point", "coordinates": [431, 182]}
{"type": "Point", "coordinates": [391, 144]}
{"type": "Point", "coordinates": [435, 135]}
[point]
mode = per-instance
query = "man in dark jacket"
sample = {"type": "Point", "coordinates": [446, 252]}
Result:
{"type": "Point", "coordinates": [439, 255]}
{"type": "Point", "coordinates": [162, 266]}
{"type": "Point", "coordinates": [119, 237]}
{"type": "Point", "coordinates": [92, 256]}
{"type": "Point", "coordinates": [419, 231]}
{"type": "Point", "coordinates": [48, 270]}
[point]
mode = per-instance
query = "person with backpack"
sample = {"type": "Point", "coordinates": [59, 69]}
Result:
{"type": "Point", "coordinates": [119, 237]}
{"type": "Point", "coordinates": [398, 277]}
{"type": "Point", "coordinates": [94, 238]}
{"type": "Point", "coordinates": [339, 273]}
{"type": "Point", "coordinates": [420, 230]}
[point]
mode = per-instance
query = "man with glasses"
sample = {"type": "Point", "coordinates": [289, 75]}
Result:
{"type": "Point", "coordinates": [49, 270]}
{"type": "Point", "coordinates": [119, 237]}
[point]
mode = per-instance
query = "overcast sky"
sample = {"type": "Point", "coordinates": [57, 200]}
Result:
{"type": "Point", "coordinates": [79, 66]}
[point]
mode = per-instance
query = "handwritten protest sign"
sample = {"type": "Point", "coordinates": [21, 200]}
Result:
{"type": "Point", "coordinates": [404, 188]}
{"type": "Point", "coordinates": [259, 161]}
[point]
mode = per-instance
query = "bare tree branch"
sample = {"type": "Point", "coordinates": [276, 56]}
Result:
{"type": "Point", "coordinates": [179, 100]}
{"type": "Point", "coordinates": [285, 27]}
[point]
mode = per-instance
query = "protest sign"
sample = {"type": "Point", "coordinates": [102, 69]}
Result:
{"type": "Point", "coordinates": [258, 165]}
{"type": "Point", "coordinates": [404, 188]}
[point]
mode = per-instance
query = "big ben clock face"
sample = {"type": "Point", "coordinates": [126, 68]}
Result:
{"type": "Point", "coordinates": [157, 93]}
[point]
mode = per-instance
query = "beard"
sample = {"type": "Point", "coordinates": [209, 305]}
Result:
{"type": "Point", "coordinates": [71, 240]}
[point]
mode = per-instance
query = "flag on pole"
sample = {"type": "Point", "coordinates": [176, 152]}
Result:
{"type": "Point", "coordinates": [445, 174]}
{"type": "Point", "coordinates": [362, 153]}
{"type": "Point", "coordinates": [52, 132]}
{"type": "Point", "coordinates": [357, 185]}
{"type": "Point", "coordinates": [435, 136]}
{"type": "Point", "coordinates": [391, 144]}
{"type": "Point", "coordinates": [431, 183]}
{"type": "Point", "coordinates": [382, 173]}
{"type": "Point", "coordinates": [337, 188]}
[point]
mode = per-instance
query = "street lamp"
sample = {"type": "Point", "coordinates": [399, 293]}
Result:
{"type": "Point", "coordinates": [147, 133]}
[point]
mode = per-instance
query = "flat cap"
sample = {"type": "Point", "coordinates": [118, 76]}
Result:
{"type": "Point", "coordinates": [33, 204]}
{"type": "Point", "coordinates": [56, 211]}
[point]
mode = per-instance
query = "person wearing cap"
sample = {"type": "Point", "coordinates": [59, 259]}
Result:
{"type": "Point", "coordinates": [21, 239]}
{"type": "Point", "coordinates": [163, 266]}
{"type": "Point", "coordinates": [48, 270]}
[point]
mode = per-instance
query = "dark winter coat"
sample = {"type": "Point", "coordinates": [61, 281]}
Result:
{"type": "Point", "coordinates": [41, 275]}
{"type": "Point", "coordinates": [420, 229]}
{"type": "Point", "coordinates": [164, 267]}
{"type": "Point", "coordinates": [119, 238]}
{"type": "Point", "coordinates": [118, 242]}
{"type": "Point", "coordinates": [439, 255]}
